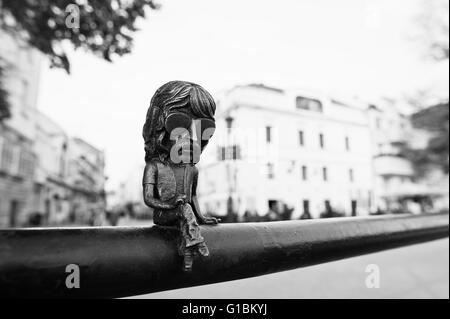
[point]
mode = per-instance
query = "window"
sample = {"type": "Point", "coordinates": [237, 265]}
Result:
{"type": "Point", "coordinates": [236, 153]}
{"type": "Point", "coordinates": [304, 103]}
{"type": "Point", "coordinates": [351, 175]}
{"type": "Point", "coordinates": [268, 134]}
{"type": "Point", "coordinates": [26, 167]}
{"type": "Point", "coordinates": [221, 153]}
{"type": "Point", "coordinates": [304, 173]}
{"type": "Point", "coordinates": [16, 157]}
{"type": "Point", "coordinates": [270, 171]}
{"type": "Point", "coordinates": [229, 153]}
{"type": "Point", "coordinates": [301, 138]}
{"type": "Point", "coordinates": [347, 143]}
{"type": "Point", "coordinates": [7, 157]}
{"type": "Point", "coordinates": [321, 140]}
{"type": "Point", "coordinates": [325, 174]}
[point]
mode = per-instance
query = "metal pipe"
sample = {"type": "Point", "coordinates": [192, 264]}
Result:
{"type": "Point", "coordinates": [127, 261]}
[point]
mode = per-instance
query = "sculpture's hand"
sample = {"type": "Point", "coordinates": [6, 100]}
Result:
{"type": "Point", "coordinates": [180, 199]}
{"type": "Point", "coordinates": [209, 221]}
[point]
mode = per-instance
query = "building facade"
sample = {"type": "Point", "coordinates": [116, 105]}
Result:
{"type": "Point", "coordinates": [305, 152]}
{"type": "Point", "coordinates": [85, 178]}
{"type": "Point", "coordinates": [43, 171]}
{"type": "Point", "coordinates": [393, 172]}
{"type": "Point", "coordinates": [18, 160]}
{"type": "Point", "coordinates": [294, 150]}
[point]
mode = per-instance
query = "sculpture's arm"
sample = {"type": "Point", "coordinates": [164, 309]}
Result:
{"type": "Point", "coordinates": [148, 183]}
{"type": "Point", "coordinates": [156, 203]}
{"type": "Point", "coordinates": [196, 207]}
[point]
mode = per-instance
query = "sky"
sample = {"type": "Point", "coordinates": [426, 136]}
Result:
{"type": "Point", "coordinates": [350, 47]}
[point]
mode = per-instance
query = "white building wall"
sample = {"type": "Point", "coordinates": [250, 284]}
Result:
{"type": "Point", "coordinates": [21, 79]}
{"type": "Point", "coordinates": [22, 71]}
{"type": "Point", "coordinates": [253, 109]}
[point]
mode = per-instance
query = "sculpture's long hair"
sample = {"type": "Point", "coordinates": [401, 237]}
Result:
{"type": "Point", "coordinates": [175, 95]}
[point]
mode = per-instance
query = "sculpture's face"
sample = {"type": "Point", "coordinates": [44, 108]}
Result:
{"type": "Point", "coordinates": [188, 136]}
{"type": "Point", "coordinates": [179, 123]}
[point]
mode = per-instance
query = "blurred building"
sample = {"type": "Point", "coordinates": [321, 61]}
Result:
{"type": "Point", "coordinates": [43, 171]}
{"type": "Point", "coordinates": [70, 177]}
{"type": "Point", "coordinates": [306, 153]}
{"type": "Point", "coordinates": [18, 160]}
{"type": "Point", "coordinates": [50, 145]}
{"type": "Point", "coordinates": [85, 177]}
{"type": "Point", "coordinates": [130, 190]}
{"type": "Point", "coordinates": [282, 150]}
{"type": "Point", "coordinates": [128, 198]}
{"type": "Point", "coordinates": [393, 172]}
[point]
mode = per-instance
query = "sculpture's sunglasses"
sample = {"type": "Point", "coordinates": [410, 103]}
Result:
{"type": "Point", "coordinates": [203, 127]}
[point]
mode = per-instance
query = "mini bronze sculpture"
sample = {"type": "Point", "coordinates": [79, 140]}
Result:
{"type": "Point", "coordinates": [179, 124]}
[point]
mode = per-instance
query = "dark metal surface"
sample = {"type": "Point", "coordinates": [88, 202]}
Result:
{"type": "Point", "coordinates": [126, 261]}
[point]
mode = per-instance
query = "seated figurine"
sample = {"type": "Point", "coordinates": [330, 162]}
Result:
{"type": "Point", "coordinates": [179, 124]}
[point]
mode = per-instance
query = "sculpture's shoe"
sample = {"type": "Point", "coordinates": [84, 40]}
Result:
{"type": "Point", "coordinates": [203, 250]}
{"type": "Point", "coordinates": [188, 261]}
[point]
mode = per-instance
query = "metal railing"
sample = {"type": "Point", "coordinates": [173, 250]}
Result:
{"type": "Point", "coordinates": [126, 261]}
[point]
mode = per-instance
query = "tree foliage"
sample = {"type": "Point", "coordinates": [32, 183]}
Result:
{"type": "Point", "coordinates": [435, 120]}
{"type": "Point", "coordinates": [433, 36]}
{"type": "Point", "coordinates": [105, 27]}
{"type": "Point", "coordinates": [433, 30]}
{"type": "Point", "coordinates": [102, 27]}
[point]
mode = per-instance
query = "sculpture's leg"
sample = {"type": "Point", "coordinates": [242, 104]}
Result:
{"type": "Point", "coordinates": [192, 241]}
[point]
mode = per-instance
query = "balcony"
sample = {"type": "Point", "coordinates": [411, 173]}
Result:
{"type": "Point", "coordinates": [392, 165]}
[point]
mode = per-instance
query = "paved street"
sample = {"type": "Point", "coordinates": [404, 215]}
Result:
{"type": "Point", "coordinates": [419, 271]}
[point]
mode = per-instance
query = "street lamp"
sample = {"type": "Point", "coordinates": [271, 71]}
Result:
{"type": "Point", "coordinates": [229, 121]}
